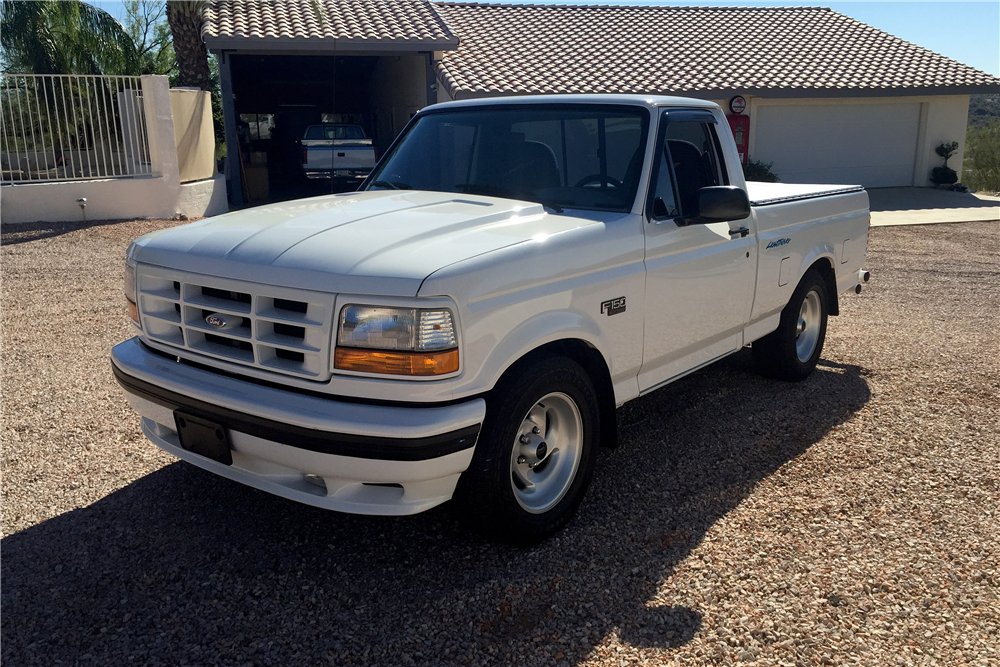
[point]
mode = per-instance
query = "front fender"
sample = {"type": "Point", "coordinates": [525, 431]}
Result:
{"type": "Point", "coordinates": [534, 333]}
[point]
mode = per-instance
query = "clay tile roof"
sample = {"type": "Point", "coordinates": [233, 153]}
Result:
{"type": "Point", "coordinates": [506, 48]}
{"type": "Point", "coordinates": [244, 22]}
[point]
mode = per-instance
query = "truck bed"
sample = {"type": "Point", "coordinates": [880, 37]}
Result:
{"type": "Point", "coordinates": [764, 194]}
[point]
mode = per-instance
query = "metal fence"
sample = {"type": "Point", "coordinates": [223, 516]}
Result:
{"type": "Point", "coordinates": [68, 127]}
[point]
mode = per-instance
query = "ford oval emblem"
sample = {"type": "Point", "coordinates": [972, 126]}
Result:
{"type": "Point", "coordinates": [216, 320]}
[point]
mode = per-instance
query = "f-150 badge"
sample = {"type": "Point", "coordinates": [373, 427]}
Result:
{"type": "Point", "coordinates": [613, 306]}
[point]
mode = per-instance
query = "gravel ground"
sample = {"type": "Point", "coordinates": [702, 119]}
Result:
{"type": "Point", "coordinates": [848, 520]}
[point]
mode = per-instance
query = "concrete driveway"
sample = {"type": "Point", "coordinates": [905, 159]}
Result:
{"type": "Point", "coordinates": [920, 206]}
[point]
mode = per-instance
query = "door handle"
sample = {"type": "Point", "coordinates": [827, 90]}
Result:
{"type": "Point", "coordinates": [742, 231]}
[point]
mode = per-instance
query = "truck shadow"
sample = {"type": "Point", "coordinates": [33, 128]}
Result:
{"type": "Point", "coordinates": [181, 566]}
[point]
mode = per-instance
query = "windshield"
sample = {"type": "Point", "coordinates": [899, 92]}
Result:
{"type": "Point", "coordinates": [574, 156]}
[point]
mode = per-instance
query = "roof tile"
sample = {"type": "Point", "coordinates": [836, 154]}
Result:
{"type": "Point", "coordinates": [383, 20]}
{"type": "Point", "coordinates": [523, 48]}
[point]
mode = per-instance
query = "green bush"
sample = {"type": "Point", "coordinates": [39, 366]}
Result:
{"type": "Point", "coordinates": [982, 158]}
{"type": "Point", "coordinates": [757, 170]}
{"type": "Point", "coordinates": [943, 176]}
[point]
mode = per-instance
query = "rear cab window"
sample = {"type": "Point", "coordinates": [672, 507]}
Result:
{"type": "Point", "coordinates": [334, 132]}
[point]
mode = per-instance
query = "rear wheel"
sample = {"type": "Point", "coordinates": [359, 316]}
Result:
{"type": "Point", "coordinates": [535, 454]}
{"type": "Point", "coordinates": [793, 349]}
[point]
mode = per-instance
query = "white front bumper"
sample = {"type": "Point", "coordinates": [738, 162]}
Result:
{"type": "Point", "coordinates": [352, 482]}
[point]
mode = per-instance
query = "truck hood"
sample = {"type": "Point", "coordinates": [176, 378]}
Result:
{"type": "Point", "coordinates": [373, 243]}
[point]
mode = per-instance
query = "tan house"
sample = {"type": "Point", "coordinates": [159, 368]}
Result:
{"type": "Point", "coordinates": [823, 97]}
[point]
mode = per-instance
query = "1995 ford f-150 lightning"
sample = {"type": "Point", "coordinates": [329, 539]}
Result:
{"type": "Point", "coordinates": [465, 325]}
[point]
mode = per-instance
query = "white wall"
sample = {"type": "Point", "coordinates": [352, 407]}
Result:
{"type": "Point", "coordinates": [943, 118]}
{"type": "Point", "coordinates": [160, 195]}
{"type": "Point", "coordinates": [924, 122]}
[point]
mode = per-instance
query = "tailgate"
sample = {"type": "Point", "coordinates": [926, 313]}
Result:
{"type": "Point", "coordinates": [348, 157]}
{"type": "Point", "coordinates": [339, 155]}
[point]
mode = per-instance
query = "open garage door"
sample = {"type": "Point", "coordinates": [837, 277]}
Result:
{"type": "Point", "coordinates": [277, 97]}
{"type": "Point", "coordinates": [873, 145]}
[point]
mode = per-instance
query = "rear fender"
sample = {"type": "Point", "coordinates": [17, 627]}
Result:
{"type": "Point", "coordinates": [821, 258]}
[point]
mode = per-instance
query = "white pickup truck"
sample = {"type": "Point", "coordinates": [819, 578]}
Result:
{"type": "Point", "coordinates": [465, 326]}
{"type": "Point", "coordinates": [338, 152]}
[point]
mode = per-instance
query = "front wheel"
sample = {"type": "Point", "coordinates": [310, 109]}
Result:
{"type": "Point", "coordinates": [792, 350]}
{"type": "Point", "coordinates": [535, 454]}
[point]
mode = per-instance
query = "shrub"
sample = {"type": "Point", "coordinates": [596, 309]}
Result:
{"type": "Point", "coordinates": [946, 151]}
{"type": "Point", "coordinates": [982, 157]}
{"type": "Point", "coordinates": [757, 170]}
{"type": "Point", "coordinates": [943, 176]}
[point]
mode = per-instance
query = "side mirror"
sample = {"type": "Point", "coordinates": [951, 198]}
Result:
{"type": "Point", "coordinates": [722, 203]}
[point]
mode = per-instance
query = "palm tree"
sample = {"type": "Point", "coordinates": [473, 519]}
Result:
{"type": "Point", "coordinates": [192, 55]}
{"type": "Point", "coordinates": [63, 37]}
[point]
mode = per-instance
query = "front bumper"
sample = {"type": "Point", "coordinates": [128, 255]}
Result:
{"type": "Point", "coordinates": [372, 459]}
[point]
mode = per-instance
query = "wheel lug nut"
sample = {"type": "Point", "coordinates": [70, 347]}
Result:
{"type": "Point", "coordinates": [524, 439]}
{"type": "Point", "coordinates": [521, 460]}
{"type": "Point", "coordinates": [535, 430]}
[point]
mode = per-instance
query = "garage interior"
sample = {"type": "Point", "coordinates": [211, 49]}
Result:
{"type": "Point", "coordinates": [276, 97]}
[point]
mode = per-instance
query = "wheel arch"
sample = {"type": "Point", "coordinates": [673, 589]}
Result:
{"type": "Point", "coordinates": [824, 267]}
{"type": "Point", "coordinates": [593, 362]}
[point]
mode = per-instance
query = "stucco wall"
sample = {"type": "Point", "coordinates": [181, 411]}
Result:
{"type": "Point", "coordinates": [194, 134]}
{"type": "Point", "coordinates": [399, 90]}
{"type": "Point", "coordinates": [943, 119]}
{"type": "Point", "coordinates": [939, 119]}
{"type": "Point", "coordinates": [160, 195]}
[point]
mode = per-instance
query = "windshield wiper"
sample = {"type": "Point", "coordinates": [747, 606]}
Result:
{"type": "Point", "coordinates": [391, 186]}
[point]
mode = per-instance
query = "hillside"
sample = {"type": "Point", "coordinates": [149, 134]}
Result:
{"type": "Point", "coordinates": [982, 109]}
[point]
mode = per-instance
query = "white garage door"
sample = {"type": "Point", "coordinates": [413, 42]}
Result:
{"type": "Point", "coordinates": [873, 145]}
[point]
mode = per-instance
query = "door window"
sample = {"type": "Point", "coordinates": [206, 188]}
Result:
{"type": "Point", "coordinates": [664, 201]}
{"type": "Point", "coordinates": [693, 154]}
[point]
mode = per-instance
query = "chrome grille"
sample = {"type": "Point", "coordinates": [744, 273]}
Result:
{"type": "Point", "coordinates": [273, 328]}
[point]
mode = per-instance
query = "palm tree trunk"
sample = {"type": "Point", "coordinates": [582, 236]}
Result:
{"type": "Point", "coordinates": [192, 56]}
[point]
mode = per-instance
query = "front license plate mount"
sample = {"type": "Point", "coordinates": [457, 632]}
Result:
{"type": "Point", "coordinates": [203, 437]}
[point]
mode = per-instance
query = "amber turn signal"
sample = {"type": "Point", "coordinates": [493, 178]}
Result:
{"type": "Point", "coordinates": [133, 311]}
{"type": "Point", "coordinates": [396, 363]}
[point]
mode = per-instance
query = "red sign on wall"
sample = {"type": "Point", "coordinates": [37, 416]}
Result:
{"type": "Point", "coordinates": [740, 125]}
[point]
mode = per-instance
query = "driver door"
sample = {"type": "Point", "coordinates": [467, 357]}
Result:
{"type": "Point", "coordinates": [699, 277]}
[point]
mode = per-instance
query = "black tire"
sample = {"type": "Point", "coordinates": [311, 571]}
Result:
{"type": "Point", "coordinates": [777, 355]}
{"type": "Point", "coordinates": [486, 498]}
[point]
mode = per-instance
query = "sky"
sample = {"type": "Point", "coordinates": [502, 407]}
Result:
{"type": "Point", "coordinates": [968, 32]}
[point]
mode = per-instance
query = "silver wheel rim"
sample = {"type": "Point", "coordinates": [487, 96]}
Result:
{"type": "Point", "coordinates": [547, 452]}
{"type": "Point", "coordinates": [807, 328]}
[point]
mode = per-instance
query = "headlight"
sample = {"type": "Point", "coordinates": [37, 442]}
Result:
{"type": "Point", "coordinates": [133, 309]}
{"type": "Point", "coordinates": [130, 282]}
{"type": "Point", "coordinates": [396, 341]}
